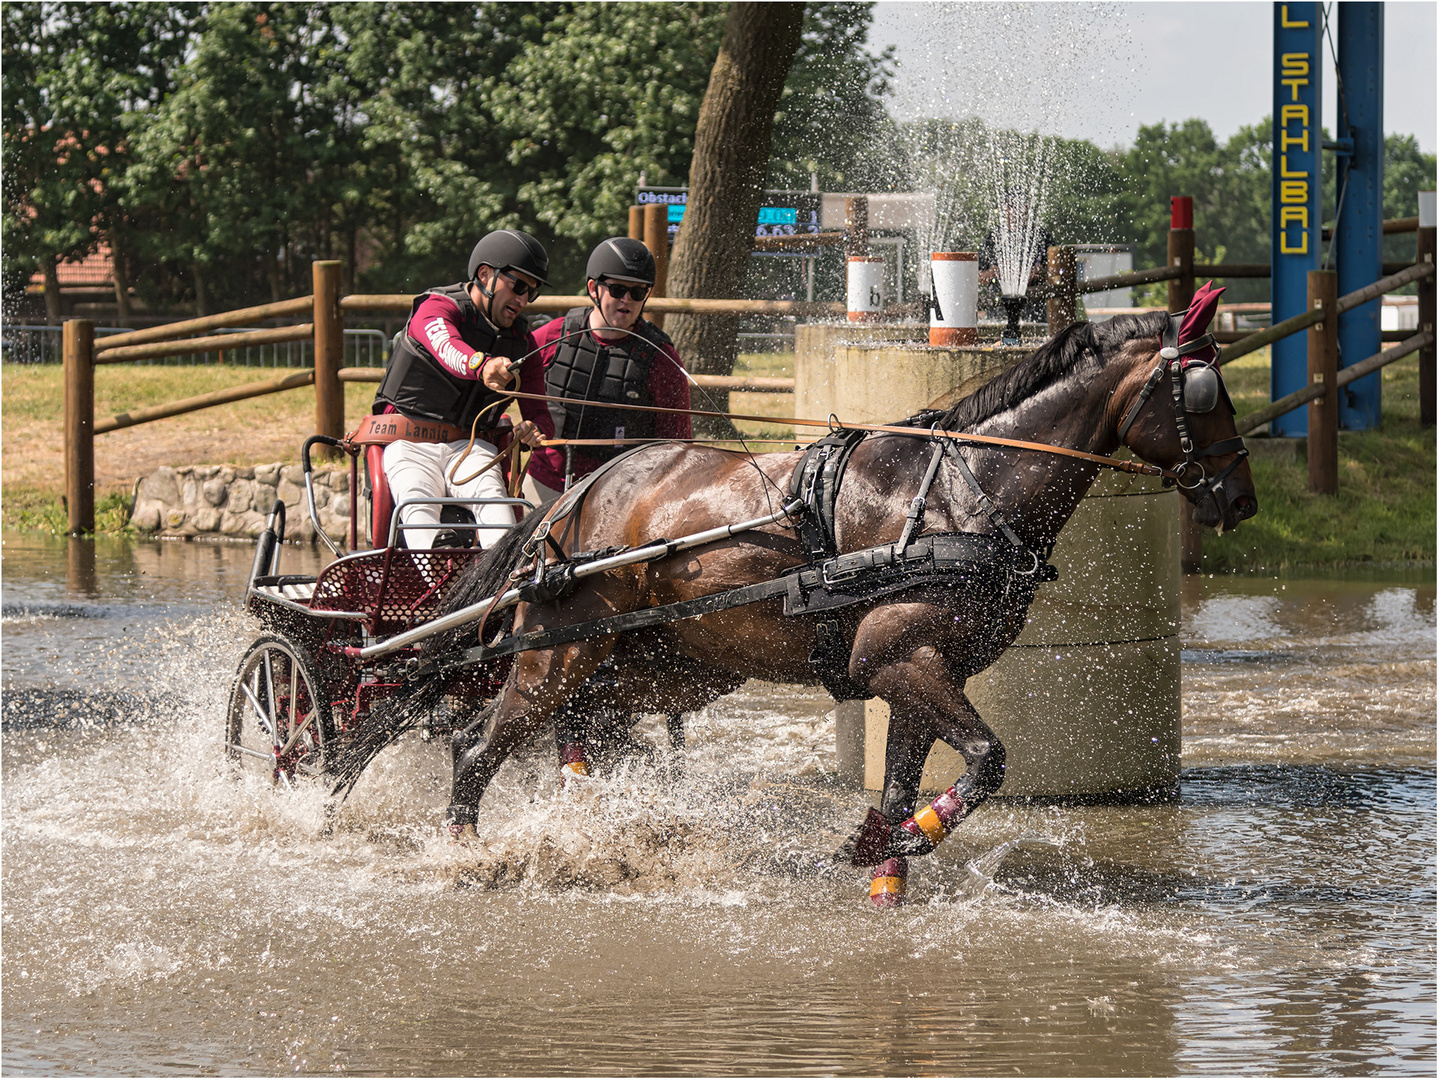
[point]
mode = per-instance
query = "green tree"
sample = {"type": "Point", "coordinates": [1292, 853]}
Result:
{"type": "Point", "coordinates": [1407, 171]}
{"type": "Point", "coordinates": [74, 77]}
{"type": "Point", "coordinates": [608, 92]}
{"type": "Point", "coordinates": [832, 119]}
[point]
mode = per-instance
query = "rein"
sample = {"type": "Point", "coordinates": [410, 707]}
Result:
{"type": "Point", "coordinates": [1118, 464]}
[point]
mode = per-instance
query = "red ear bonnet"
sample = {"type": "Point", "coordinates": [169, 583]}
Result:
{"type": "Point", "coordinates": [1198, 317]}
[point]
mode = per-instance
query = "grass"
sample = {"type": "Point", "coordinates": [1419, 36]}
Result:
{"type": "Point", "coordinates": [776, 405]}
{"type": "Point", "coordinates": [256, 431]}
{"type": "Point", "coordinates": [1384, 514]}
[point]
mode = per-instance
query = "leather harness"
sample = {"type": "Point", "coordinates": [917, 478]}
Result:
{"type": "Point", "coordinates": [830, 582]}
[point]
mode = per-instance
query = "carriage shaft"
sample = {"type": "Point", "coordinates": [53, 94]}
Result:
{"type": "Point", "coordinates": [656, 550]}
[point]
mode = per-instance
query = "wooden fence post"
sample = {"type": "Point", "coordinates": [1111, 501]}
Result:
{"type": "Point", "coordinates": [1324, 368]}
{"type": "Point", "coordinates": [1064, 286]}
{"type": "Point", "coordinates": [1181, 292]}
{"type": "Point", "coordinates": [1424, 252]}
{"type": "Point", "coordinates": [79, 371]}
{"type": "Point", "coordinates": [637, 223]}
{"type": "Point", "coordinates": [329, 352]}
{"type": "Point", "coordinates": [657, 239]}
{"type": "Point", "coordinates": [1181, 251]}
{"type": "Point", "coordinates": [856, 226]}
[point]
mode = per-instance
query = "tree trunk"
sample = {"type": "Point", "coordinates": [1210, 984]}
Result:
{"type": "Point", "coordinates": [52, 290]}
{"type": "Point", "coordinates": [202, 296]}
{"type": "Point", "coordinates": [121, 277]}
{"type": "Point", "coordinates": [731, 158]}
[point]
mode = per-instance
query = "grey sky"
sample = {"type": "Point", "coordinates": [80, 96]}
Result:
{"type": "Point", "coordinates": [1099, 70]}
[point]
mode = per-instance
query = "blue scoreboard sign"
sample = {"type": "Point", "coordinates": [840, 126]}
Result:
{"type": "Point", "coordinates": [781, 213]}
{"type": "Point", "coordinates": [1295, 190]}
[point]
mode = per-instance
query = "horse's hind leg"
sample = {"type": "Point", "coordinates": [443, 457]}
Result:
{"type": "Point", "coordinates": [541, 681]}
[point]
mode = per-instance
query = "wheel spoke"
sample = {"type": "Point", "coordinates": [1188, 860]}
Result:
{"type": "Point", "coordinates": [294, 700]}
{"type": "Point", "coordinates": [264, 720]}
{"type": "Point", "coordinates": [298, 732]}
{"type": "Point", "coordinates": [269, 670]}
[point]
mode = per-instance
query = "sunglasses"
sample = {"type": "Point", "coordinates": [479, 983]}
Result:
{"type": "Point", "coordinates": [519, 288]}
{"type": "Point", "coordinates": [617, 291]}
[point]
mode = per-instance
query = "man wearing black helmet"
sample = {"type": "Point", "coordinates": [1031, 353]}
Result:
{"type": "Point", "coordinates": [449, 368]}
{"type": "Point", "coordinates": [596, 357]}
{"type": "Point", "coordinates": [608, 353]}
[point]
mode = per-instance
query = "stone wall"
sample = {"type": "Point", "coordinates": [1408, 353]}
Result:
{"type": "Point", "coordinates": [234, 501]}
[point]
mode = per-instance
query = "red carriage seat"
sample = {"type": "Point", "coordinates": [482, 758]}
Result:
{"type": "Point", "coordinates": [375, 433]}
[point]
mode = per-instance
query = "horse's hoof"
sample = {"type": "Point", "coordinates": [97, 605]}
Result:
{"type": "Point", "coordinates": [573, 774]}
{"type": "Point", "coordinates": [459, 823]}
{"type": "Point", "coordinates": [887, 883]}
{"type": "Point", "coordinates": [463, 835]}
{"type": "Point", "coordinates": [866, 846]}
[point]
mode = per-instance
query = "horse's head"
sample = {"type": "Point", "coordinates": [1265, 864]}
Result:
{"type": "Point", "coordinates": [1177, 414]}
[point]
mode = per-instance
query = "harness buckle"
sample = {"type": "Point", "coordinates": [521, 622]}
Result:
{"type": "Point", "coordinates": [1033, 569]}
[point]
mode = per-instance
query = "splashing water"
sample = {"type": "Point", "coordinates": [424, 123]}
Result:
{"type": "Point", "coordinates": [1019, 169]}
{"type": "Point", "coordinates": [981, 95]}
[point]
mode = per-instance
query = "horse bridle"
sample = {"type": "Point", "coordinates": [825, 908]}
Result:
{"type": "Point", "coordinates": [1196, 388]}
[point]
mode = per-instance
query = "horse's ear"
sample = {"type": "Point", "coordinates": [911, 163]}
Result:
{"type": "Point", "coordinates": [1201, 312]}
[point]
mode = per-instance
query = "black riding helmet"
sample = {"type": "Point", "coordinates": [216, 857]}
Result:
{"type": "Point", "coordinates": [510, 249]}
{"type": "Point", "coordinates": [621, 258]}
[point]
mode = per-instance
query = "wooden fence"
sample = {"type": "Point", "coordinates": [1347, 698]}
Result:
{"type": "Point", "coordinates": [327, 309]}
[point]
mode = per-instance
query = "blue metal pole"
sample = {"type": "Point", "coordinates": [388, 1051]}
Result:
{"type": "Point", "coordinates": [1359, 230]}
{"type": "Point", "coordinates": [1296, 183]}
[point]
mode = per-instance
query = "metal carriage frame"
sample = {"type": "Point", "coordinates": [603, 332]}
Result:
{"type": "Point", "coordinates": [301, 683]}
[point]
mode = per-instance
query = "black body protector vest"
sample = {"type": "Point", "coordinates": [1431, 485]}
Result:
{"type": "Point", "coordinates": [589, 373]}
{"type": "Point", "coordinates": [420, 386]}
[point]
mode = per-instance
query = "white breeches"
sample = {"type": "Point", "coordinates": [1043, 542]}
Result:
{"type": "Point", "coordinates": [419, 470]}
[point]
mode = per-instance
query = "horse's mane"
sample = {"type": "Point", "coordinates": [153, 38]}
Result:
{"type": "Point", "coordinates": [1077, 344]}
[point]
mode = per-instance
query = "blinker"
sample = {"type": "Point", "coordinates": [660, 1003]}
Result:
{"type": "Point", "coordinates": [1201, 388]}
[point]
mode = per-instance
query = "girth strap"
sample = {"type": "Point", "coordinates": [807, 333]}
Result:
{"type": "Point", "coordinates": [816, 480]}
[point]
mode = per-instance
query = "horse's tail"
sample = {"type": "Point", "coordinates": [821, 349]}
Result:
{"type": "Point", "coordinates": [407, 708]}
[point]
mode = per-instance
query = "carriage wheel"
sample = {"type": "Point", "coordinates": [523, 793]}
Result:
{"type": "Point", "coordinates": [279, 719]}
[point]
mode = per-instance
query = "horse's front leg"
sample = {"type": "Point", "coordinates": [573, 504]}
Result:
{"type": "Point", "coordinates": [905, 751]}
{"type": "Point", "coordinates": [926, 701]}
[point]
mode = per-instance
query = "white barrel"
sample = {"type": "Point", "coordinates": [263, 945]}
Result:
{"type": "Point", "coordinates": [865, 291]}
{"type": "Point", "coordinates": [954, 311]}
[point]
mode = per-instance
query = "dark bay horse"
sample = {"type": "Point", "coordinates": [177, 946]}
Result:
{"type": "Point", "coordinates": [913, 648]}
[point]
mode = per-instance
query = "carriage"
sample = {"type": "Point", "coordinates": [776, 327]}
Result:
{"type": "Point", "coordinates": [301, 683]}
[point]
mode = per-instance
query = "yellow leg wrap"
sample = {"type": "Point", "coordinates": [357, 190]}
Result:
{"type": "Point", "coordinates": [929, 824]}
{"type": "Point", "coordinates": [883, 887]}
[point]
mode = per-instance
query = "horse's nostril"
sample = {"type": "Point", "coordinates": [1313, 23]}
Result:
{"type": "Point", "coordinates": [1247, 506]}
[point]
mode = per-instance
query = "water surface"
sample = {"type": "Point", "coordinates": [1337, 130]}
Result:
{"type": "Point", "coordinates": [161, 916]}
